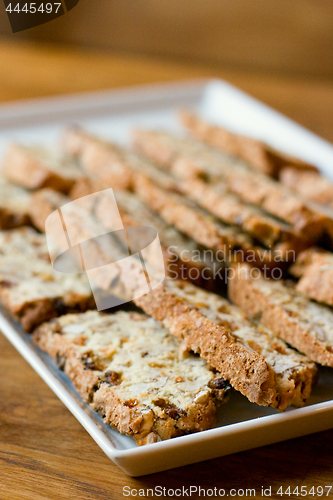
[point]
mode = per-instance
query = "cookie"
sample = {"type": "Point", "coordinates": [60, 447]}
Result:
{"type": "Point", "coordinates": [189, 159]}
{"type": "Point", "coordinates": [42, 203]}
{"type": "Point", "coordinates": [14, 206]}
{"type": "Point", "coordinates": [204, 228]}
{"type": "Point", "coordinates": [129, 367]}
{"type": "Point", "coordinates": [230, 209]}
{"type": "Point", "coordinates": [37, 167]}
{"type": "Point", "coordinates": [302, 323]}
{"type": "Point", "coordinates": [314, 267]}
{"type": "Point", "coordinates": [30, 288]}
{"type": "Point", "coordinates": [255, 362]}
{"type": "Point", "coordinates": [255, 153]}
{"type": "Point", "coordinates": [112, 166]}
{"type": "Point", "coordinates": [311, 185]}
{"type": "Point", "coordinates": [184, 258]}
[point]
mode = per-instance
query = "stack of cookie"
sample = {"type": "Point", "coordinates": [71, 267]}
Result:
{"type": "Point", "coordinates": [162, 367]}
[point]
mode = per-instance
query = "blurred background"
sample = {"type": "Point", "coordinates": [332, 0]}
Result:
{"type": "Point", "coordinates": [280, 51]}
{"type": "Point", "coordinates": [284, 36]}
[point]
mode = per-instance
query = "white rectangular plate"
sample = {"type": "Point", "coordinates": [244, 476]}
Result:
{"type": "Point", "coordinates": [241, 425]}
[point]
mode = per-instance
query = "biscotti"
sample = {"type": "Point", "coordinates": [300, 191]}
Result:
{"type": "Point", "coordinates": [187, 158]}
{"type": "Point", "coordinates": [14, 205]}
{"type": "Point", "coordinates": [171, 304]}
{"type": "Point", "coordinates": [247, 371]}
{"type": "Point", "coordinates": [82, 187]}
{"type": "Point", "coordinates": [42, 203]}
{"type": "Point", "coordinates": [226, 241]}
{"type": "Point", "coordinates": [229, 208]}
{"type": "Point", "coordinates": [36, 167]}
{"type": "Point", "coordinates": [315, 269]}
{"type": "Point", "coordinates": [159, 190]}
{"type": "Point", "coordinates": [311, 185]}
{"type": "Point", "coordinates": [255, 153]}
{"type": "Point", "coordinates": [303, 260]}
{"type": "Point", "coordinates": [184, 258]}
{"type": "Point", "coordinates": [95, 156]}
{"type": "Point", "coordinates": [29, 287]}
{"type": "Point", "coordinates": [24, 240]}
{"type": "Point", "coordinates": [255, 362]}
{"type": "Point", "coordinates": [129, 367]}
{"type": "Point", "coordinates": [109, 165]}
{"type": "Point", "coordinates": [258, 386]}
{"type": "Point", "coordinates": [302, 323]}
{"type": "Point", "coordinates": [190, 219]}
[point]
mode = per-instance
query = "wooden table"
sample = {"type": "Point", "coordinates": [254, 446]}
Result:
{"type": "Point", "coordinates": [44, 451]}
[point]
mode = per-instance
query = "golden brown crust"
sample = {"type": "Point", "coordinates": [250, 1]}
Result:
{"type": "Point", "coordinates": [128, 420]}
{"type": "Point", "coordinates": [311, 185]}
{"type": "Point", "coordinates": [187, 219]}
{"type": "Point", "coordinates": [183, 257]}
{"type": "Point", "coordinates": [316, 271]}
{"type": "Point", "coordinates": [278, 201]}
{"type": "Point", "coordinates": [285, 312]}
{"type": "Point", "coordinates": [246, 370]}
{"type": "Point", "coordinates": [101, 160]}
{"type": "Point", "coordinates": [10, 219]}
{"type": "Point", "coordinates": [30, 288]}
{"type": "Point", "coordinates": [144, 426]}
{"type": "Point", "coordinates": [14, 206]}
{"type": "Point", "coordinates": [27, 167]}
{"type": "Point", "coordinates": [33, 313]}
{"type": "Point", "coordinates": [188, 159]}
{"type": "Point", "coordinates": [83, 187]}
{"type": "Point", "coordinates": [229, 208]}
{"type": "Point", "coordinates": [89, 359]}
{"type": "Point", "coordinates": [255, 153]}
{"type": "Point", "coordinates": [203, 227]}
{"type": "Point", "coordinates": [43, 202]}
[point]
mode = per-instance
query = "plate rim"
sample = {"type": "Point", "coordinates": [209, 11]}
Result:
{"type": "Point", "coordinates": [11, 114]}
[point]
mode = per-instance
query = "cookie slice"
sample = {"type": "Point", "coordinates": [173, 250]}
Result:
{"type": "Point", "coordinates": [314, 267]}
{"type": "Point", "coordinates": [224, 240]}
{"type": "Point", "coordinates": [304, 324]}
{"type": "Point", "coordinates": [130, 368]}
{"type": "Point", "coordinates": [82, 187]}
{"type": "Point", "coordinates": [37, 167]}
{"type": "Point", "coordinates": [255, 153]}
{"type": "Point", "coordinates": [187, 158]}
{"type": "Point", "coordinates": [30, 288]}
{"type": "Point", "coordinates": [42, 203]}
{"type": "Point", "coordinates": [311, 185]}
{"type": "Point", "coordinates": [107, 162]}
{"type": "Point", "coordinates": [184, 257]}
{"type": "Point", "coordinates": [14, 204]}
{"type": "Point", "coordinates": [255, 362]}
{"type": "Point", "coordinates": [109, 165]}
{"type": "Point", "coordinates": [24, 241]}
{"type": "Point", "coordinates": [230, 209]}
{"type": "Point", "coordinates": [246, 370]}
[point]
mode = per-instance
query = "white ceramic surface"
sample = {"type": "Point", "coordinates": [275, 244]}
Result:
{"type": "Point", "coordinates": [112, 114]}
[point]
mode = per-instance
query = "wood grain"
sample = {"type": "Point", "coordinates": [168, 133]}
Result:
{"type": "Point", "coordinates": [284, 37]}
{"type": "Point", "coordinates": [44, 451]}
